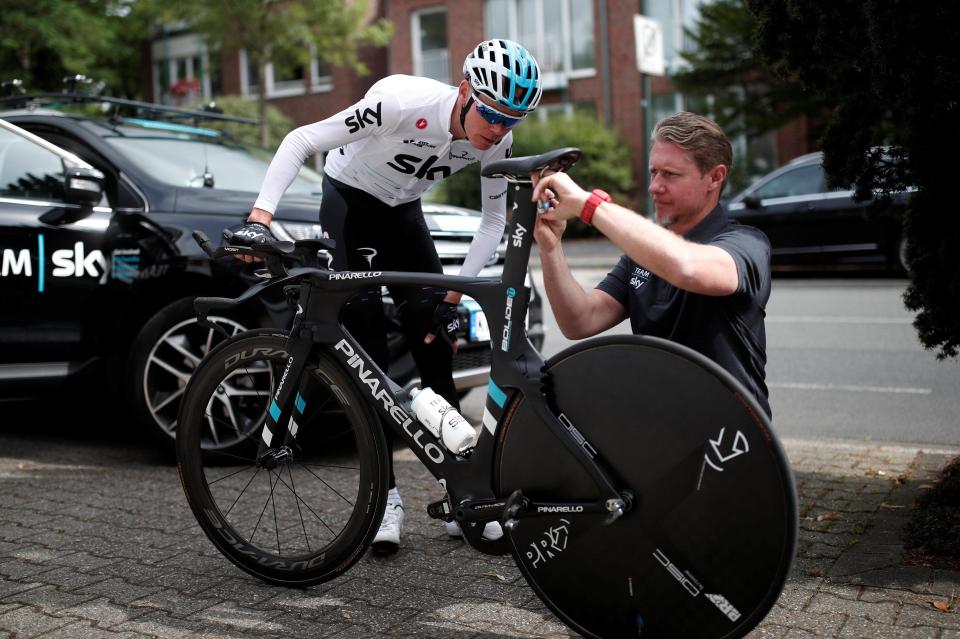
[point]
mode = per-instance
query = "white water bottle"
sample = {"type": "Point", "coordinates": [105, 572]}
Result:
{"type": "Point", "coordinates": [442, 420]}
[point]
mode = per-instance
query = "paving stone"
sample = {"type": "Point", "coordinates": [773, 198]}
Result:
{"type": "Point", "coordinates": [88, 630]}
{"type": "Point", "coordinates": [25, 622]}
{"type": "Point", "coordinates": [49, 599]}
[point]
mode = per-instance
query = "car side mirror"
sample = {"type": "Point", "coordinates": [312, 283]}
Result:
{"type": "Point", "coordinates": [83, 186]}
{"type": "Point", "coordinates": [753, 201]}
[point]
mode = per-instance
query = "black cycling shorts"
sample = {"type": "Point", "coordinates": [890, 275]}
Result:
{"type": "Point", "coordinates": [373, 235]}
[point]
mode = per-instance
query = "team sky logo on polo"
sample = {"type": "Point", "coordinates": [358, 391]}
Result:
{"type": "Point", "coordinates": [360, 120]}
{"type": "Point", "coordinates": [69, 263]}
{"type": "Point", "coordinates": [411, 165]}
{"type": "Point", "coordinates": [639, 277]}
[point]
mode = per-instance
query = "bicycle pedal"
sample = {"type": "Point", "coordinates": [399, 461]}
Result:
{"type": "Point", "coordinates": [440, 510]}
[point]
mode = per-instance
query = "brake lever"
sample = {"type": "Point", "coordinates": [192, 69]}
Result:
{"type": "Point", "coordinates": [205, 322]}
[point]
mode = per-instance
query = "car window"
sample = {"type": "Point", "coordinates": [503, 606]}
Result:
{"type": "Point", "coordinates": [803, 180]}
{"type": "Point", "coordinates": [28, 170]}
{"type": "Point", "coordinates": [182, 162]}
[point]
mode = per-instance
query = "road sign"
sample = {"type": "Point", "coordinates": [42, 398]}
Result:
{"type": "Point", "coordinates": [648, 36]}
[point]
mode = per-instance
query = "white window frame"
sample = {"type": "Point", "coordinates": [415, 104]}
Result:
{"type": "Point", "coordinates": [318, 83]}
{"type": "Point", "coordinates": [284, 89]}
{"type": "Point", "coordinates": [415, 46]}
{"type": "Point", "coordinates": [169, 51]}
{"type": "Point", "coordinates": [553, 79]}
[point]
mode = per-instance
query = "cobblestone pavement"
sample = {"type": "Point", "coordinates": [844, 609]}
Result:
{"type": "Point", "coordinates": [96, 540]}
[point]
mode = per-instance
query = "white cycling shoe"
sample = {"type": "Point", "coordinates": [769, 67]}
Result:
{"type": "Point", "coordinates": [387, 540]}
{"type": "Point", "coordinates": [492, 531]}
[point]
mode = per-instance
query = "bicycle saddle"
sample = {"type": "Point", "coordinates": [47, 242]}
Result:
{"type": "Point", "coordinates": [518, 170]}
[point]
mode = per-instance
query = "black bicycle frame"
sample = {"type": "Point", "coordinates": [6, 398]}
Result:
{"type": "Point", "coordinates": [516, 367]}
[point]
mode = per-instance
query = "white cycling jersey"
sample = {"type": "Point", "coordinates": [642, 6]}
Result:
{"type": "Point", "coordinates": [395, 144]}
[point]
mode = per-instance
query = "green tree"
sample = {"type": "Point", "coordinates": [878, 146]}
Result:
{"type": "Point", "coordinates": [893, 71]}
{"type": "Point", "coordinates": [746, 97]}
{"type": "Point", "coordinates": [742, 95]}
{"type": "Point", "coordinates": [41, 41]}
{"type": "Point", "coordinates": [606, 161]}
{"type": "Point", "coordinates": [284, 32]}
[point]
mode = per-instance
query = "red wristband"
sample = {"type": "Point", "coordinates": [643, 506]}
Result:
{"type": "Point", "coordinates": [590, 207]}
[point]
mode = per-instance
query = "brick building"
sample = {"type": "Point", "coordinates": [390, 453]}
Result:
{"type": "Point", "coordinates": [586, 49]}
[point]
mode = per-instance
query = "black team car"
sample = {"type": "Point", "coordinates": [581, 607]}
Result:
{"type": "Point", "coordinates": [98, 270]}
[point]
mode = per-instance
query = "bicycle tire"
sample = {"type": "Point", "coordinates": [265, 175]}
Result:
{"type": "Point", "coordinates": [312, 516]}
{"type": "Point", "coordinates": [707, 546]}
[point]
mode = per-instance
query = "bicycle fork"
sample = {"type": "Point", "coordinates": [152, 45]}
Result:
{"type": "Point", "coordinates": [287, 405]}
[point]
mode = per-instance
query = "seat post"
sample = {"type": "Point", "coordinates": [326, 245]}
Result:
{"type": "Point", "coordinates": [519, 237]}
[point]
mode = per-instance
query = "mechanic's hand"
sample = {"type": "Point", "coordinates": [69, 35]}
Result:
{"type": "Point", "coordinates": [547, 233]}
{"type": "Point", "coordinates": [565, 199]}
{"type": "Point", "coordinates": [250, 234]}
{"type": "Point", "coordinates": [444, 324]}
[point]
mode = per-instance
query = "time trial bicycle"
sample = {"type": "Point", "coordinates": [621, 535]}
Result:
{"type": "Point", "coordinates": [641, 488]}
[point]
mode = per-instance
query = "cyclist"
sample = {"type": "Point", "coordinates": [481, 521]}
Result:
{"type": "Point", "coordinates": [406, 135]}
{"type": "Point", "coordinates": [694, 277]}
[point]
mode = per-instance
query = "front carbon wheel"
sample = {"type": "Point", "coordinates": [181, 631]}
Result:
{"type": "Point", "coordinates": [305, 512]}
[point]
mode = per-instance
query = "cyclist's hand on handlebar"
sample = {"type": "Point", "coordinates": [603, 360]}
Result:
{"type": "Point", "coordinates": [444, 324]}
{"type": "Point", "coordinates": [565, 199]}
{"type": "Point", "coordinates": [250, 234]}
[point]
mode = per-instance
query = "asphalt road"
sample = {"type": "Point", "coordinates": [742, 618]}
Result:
{"type": "Point", "coordinates": [844, 362]}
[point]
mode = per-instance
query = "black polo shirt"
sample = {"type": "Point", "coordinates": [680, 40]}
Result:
{"type": "Point", "coordinates": [729, 329]}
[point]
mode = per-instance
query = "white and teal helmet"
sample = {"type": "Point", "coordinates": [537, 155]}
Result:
{"type": "Point", "coordinates": [505, 72]}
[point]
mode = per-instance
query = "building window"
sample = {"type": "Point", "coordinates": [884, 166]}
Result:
{"type": "Point", "coordinates": [559, 33]}
{"type": "Point", "coordinates": [320, 75]}
{"type": "Point", "coordinates": [431, 57]}
{"type": "Point", "coordinates": [285, 79]}
{"type": "Point", "coordinates": [181, 69]}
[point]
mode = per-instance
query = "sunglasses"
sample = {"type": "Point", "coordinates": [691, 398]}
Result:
{"type": "Point", "coordinates": [492, 116]}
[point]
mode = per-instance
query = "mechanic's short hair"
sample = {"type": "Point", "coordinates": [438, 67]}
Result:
{"type": "Point", "coordinates": [700, 137]}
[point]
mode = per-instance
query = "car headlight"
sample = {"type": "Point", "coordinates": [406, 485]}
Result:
{"type": "Point", "coordinates": [292, 231]}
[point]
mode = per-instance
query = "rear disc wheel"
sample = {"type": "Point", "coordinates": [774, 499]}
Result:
{"type": "Point", "coordinates": [706, 548]}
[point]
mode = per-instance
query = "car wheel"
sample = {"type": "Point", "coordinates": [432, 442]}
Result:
{"type": "Point", "coordinates": [164, 355]}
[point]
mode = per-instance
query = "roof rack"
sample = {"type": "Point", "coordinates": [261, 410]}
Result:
{"type": "Point", "coordinates": [38, 100]}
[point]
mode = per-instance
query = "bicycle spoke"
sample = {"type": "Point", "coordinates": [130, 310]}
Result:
{"type": "Point", "coordinates": [312, 511]}
{"type": "Point", "coordinates": [227, 476]}
{"type": "Point", "coordinates": [276, 524]}
{"type": "Point", "coordinates": [330, 466]}
{"type": "Point", "coordinates": [265, 504]}
{"type": "Point", "coordinates": [226, 514]}
{"type": "Point", "coordinates": [320, 479]}
{"type": "Point", "coordinates": [303, 525]}
{"type": "Point", "coordinates": [210, 423]}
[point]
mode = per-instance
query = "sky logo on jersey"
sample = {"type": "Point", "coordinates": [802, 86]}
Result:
{"type": "Point", "coordinates": [359, 120]}
{"type": "Point", "coordinates": [408, 165]}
